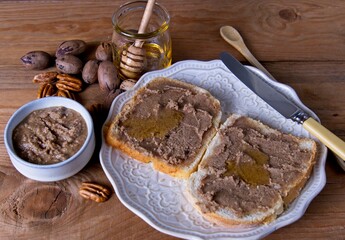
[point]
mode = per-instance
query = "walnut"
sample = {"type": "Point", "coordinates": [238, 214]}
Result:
{"type": "Point", "coordinates": [94, 191]}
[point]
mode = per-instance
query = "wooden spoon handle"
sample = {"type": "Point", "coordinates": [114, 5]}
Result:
{"type": "Point", "coordinates": [146, 17]}
{"type": "Point", "coordinates": [145, 21]}
{"type": "Point", "coordinates": [250, 58]}
{"type": "Point", "coordinates": [233, 37]}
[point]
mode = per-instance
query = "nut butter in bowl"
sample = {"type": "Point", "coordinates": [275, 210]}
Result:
{"type": "Point", "coordinates": [50, 139]}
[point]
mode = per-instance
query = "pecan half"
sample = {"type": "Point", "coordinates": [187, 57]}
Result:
{"type": "Point", "coordinates": [94, 191]}
{"type": "Point", "coordinates": [46, 77]}
{"type": "Point", "coordinates": [68, 82]}
{"type": "Point", "coordinates": [45, 90]}
{"type": "Point", "coordinates": [66, 94]}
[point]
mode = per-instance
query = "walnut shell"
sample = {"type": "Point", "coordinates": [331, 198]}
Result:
{"type": "Point", "coordinates": [107, 76]}
{"type": "Point", "coordinates": [104, 52]}
{"type": "Point", "coordinates": [36, 60]}
{"type": "Point", "coordinates": [73, 47]}
{"type": "Point", "coordinates": [90, 72]}
{"type": "Point", "coordinates": [69, 64]}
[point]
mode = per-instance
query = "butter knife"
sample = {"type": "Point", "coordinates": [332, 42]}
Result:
{"type": "Point", "coordinates": [283, 105]}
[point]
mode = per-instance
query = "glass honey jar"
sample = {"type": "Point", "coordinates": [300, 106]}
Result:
{"type": "Point", "coordinates": [152, 48]}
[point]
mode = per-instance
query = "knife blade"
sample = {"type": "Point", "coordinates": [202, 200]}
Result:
{"type": "Point", "coordinates": [283, 105]}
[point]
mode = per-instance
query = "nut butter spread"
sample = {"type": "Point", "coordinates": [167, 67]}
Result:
{"type": "Point", "coordinates": [249, 170]}
{"type": "Point", "coordinates": [169, 121]}
{"type": "Point", "coordinates": [49, 135]}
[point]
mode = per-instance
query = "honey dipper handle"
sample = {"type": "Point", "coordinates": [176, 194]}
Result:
{"type": "Point", "coordinates": [145, 20]}
{"type": "Point", "coordinates": [146, 17]}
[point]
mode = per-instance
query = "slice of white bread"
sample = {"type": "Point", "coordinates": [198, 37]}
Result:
{"type": "Point", "coordinates": [250, 173]}
{"type": "Point", "coordinates": [167, 122]}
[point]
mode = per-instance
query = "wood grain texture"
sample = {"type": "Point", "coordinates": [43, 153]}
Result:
{"type": "Point", "coordinates": [300, 42]}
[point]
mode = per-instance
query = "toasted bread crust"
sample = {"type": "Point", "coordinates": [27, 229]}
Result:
{"type": "Point", "coordinates": [295, 190]}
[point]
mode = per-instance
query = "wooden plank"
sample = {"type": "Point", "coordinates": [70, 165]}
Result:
{"type": "Point", "coordinates": [300, 42]}
{"type": "Point", "coordinates": [274, 30]}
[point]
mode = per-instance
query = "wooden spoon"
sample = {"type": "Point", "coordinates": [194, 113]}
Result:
{"type": "Point", "coordinates": [133, 58]}
{"type": "Point", "coordinates": [233, 37]}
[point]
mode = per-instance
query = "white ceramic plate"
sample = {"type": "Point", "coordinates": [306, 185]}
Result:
{"type": "Point", "coordinates": [160, 200]}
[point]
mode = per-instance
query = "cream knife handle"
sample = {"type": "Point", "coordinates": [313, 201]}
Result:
{"type": "Point", "coordinates": [333, 142]}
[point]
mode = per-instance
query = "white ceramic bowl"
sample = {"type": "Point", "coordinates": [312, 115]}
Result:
{"type": "Point", "coordinates": [57, 171]}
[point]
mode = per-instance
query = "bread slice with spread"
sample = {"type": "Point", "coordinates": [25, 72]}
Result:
{"type": "Point", "coordinates": [241, 174]}
{"type": "Point", "coordinates": [250, 173]}
{"type": "Point", "coordinates": [169, 123]}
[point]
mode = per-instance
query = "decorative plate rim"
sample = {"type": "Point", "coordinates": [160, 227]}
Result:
{"type": "Point", "coordinates": [302, 202]}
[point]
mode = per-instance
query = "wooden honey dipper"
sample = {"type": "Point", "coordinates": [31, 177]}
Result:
{"type": "Point", "coordinates": [133, 58]}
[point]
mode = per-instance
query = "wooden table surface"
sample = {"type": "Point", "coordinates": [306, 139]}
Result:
{"type": "Point", "coordinates": [302, 44]}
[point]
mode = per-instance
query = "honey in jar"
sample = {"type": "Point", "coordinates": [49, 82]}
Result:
{"type": "Point", "coordinates": [155, 42]}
